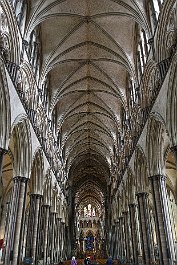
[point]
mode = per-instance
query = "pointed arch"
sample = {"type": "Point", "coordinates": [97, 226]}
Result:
{"type": "Point", "coordinates": [162, 31]}
{"type": "Point", "coordinates": [21, 145]}
{"type": "Point", "coordinates": [37, 172]}
{"type": "Point", "coordinates": [131, 185]}
{"type": "Point", "coordinates": [157, 143]}
{"type": "Point", "coordinates": [141, 173]}
{"type": "Point", "coordinates": [47, 188]}
{"type": "Point", "coordinates": [171, 110]}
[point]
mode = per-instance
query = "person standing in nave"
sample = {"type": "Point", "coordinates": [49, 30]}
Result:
{"type": "Point", "coordinates": [109, 261]}
{"type": "Point", "coordinates": [73, 261]}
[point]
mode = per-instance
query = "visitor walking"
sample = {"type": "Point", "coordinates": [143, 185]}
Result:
{"type": "Point", "coordinates": [73, 261]}
{"type": "Point", "coordinates": [109, 261]}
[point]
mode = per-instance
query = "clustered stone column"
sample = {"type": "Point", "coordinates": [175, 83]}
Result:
{"type": "Point", "coordinates": [2, 152]}
{"type": "Point", "coordinates": [67, 241]}
{"type": "Point", "coordinates": [46, 226]}
{"type": "Point", "coordinates": [115, 242]}
{"type": "Point", "coordinates": [64, 246]}
{"type": "Point", "coordinates": [117, 239]}
{"type": "Point", "coordinates": [132, 211]}
{"type": "Point", "coordinates": [120, 238]}
{"type": "Point", "coordinates": [32, 230]}
{"type": "Point", "coordinates": [162, 221]}
{"type": "Point", "coordinates": [36, 232]}
{"type": "Point", "coordinates": [62, 240]}
{"type": "Point", "coordinates": [125, 245]}
{"type": "Point", "coordinates": [58, 243]}
{"type": "Point", "coordinates": [40, 232]}
{"type": "Point", "coordinates": [127, 236]}
{"type": "Point", "coordinates": [81, 244]}
{"type": "Point", "coordinates": [53, 230]}
{"type": "Point", "coordinates": [15, 222]}
{"type": "Point", "coordinates": [112, 241]}
{"type": "Point", "coordinates": [145, 232]}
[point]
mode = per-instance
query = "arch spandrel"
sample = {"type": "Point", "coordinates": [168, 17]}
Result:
{"type": "Point", "coordinates": [20, 145]}
{"type": "Point", "coordinates": [157, 143]}
{"type": "Point", "coordinates": [141, 170]}
{"type": "Point", "coordinates": [37, 173]}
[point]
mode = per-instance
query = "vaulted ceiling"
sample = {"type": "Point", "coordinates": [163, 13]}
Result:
{"type": "Point", "coordinates": [88, 53]}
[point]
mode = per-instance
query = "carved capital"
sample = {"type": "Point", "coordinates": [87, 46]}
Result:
{"type": "Point", "coordinates": [142, 194]}
{"type": "Point", "coordinates": [120, 218]}
{"type": "Point", "coordinates": [157, 177]}
{"type": "Point", "coordinates": [37, 196]}
{"type": "Point", "coordinates": [46, 206]}
{"type": "Point", "coordinates": [20, 179]}
{"type": "Point", "coordinates": [132, 205]}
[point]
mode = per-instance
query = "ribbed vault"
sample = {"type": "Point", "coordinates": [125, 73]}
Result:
{"type": "Point", "coordinates": [87, 50]}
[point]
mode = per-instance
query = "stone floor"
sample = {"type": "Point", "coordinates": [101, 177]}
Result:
{"type": "Point", "coordinates": [81, 261]}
